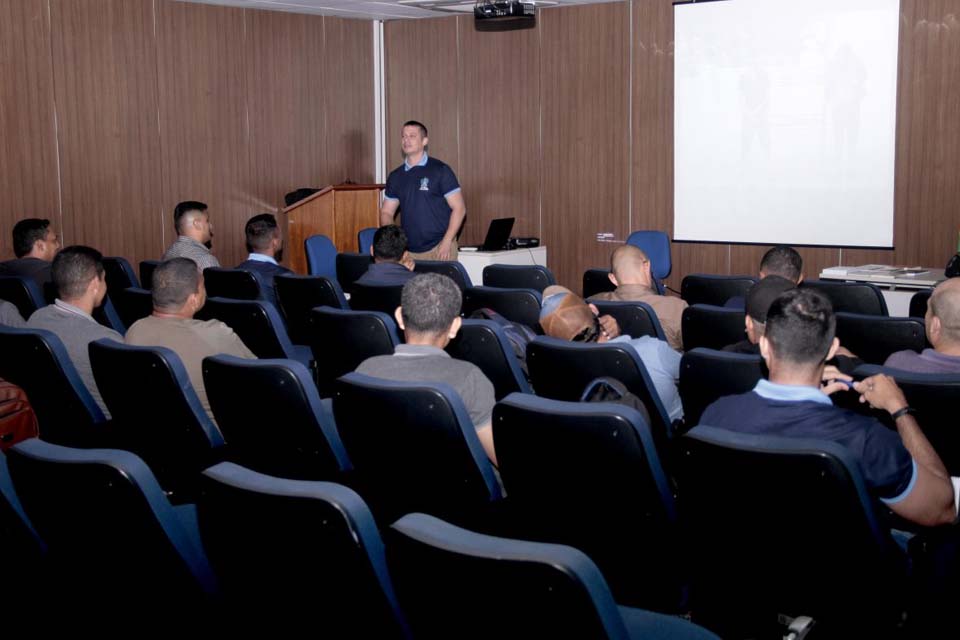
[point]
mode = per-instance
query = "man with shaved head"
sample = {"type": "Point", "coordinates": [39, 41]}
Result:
{"type": "Point", "coordinates": [943, 331]}
{"type": "Point", "coordinates": [194, 235]}
{"type": "Point", "coordinates": [630, 272]}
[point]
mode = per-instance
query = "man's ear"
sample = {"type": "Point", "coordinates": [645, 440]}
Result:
{"type": "Point", "coordinates": [371, 250]}
{"type": "Point", "coordinates": [765, 349]}
{"type": "Point", "coordinates": [613, 279]}
{"type": "Point", "coordinates": [455, 327]}
{"type": "Point", "coordinates": [398, 314]}
{"type": "Point", "coordinates": [934, 328]}
{"type": "Point", "coordinates": [800, 279]}
{"type": "Point", "coordinates": [833, 348]}
{"type": "Point", "coordinates": [593, 308]}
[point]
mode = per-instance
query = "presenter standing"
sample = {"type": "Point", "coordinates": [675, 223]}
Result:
{"type": "Point", "coordinates": [427, 193]}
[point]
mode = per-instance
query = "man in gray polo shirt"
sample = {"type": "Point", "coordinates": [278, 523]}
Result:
{"type": "Point", "coordinates": [194, 235]}
{"type": "Point", "coordinates": [81, 285]}
{"type": "Point", "coordinates": [429, 316]}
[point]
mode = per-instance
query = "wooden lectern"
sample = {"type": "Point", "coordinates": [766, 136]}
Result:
{"type": "Point", "coordinates": [338, 212]}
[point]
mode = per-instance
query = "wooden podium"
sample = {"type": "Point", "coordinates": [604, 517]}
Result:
{"type": "Point", "coordinates": [338, 212]}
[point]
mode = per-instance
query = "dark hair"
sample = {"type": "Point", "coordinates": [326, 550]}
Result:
{"type": "Point", "coordinates": [389, 243]}
{"type": "Point", "coordinates": [260, 230]}
{"type": "Point", "coordinates": [414, 123]}
{"type": "Point", "coordinates": [782, 261]}
{"type": "Point", "coordinates": [173, 282]}
{"type": "Point", "coordinates": [73, 269]}
{"type": "Point", "coordinates": [183, 209]}
{"type": "Point", "coordinates": [429, 303]}
{"type": "Point", "coordinates": [800, 326]}
{"type": "Point", "coordinates": [26, 233]}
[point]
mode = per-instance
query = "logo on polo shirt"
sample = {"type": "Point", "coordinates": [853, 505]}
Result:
{"type": "Point", "coordinates": [424, 184]}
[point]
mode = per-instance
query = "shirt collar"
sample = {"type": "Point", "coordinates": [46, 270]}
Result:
{"type": "Point", "coordinates": [190, 240]}
{"type": "Point", "coordinates": [69, 308]}
{"type": "Point", "coordinates": [422, 163]}
{"type": "Point", "coordinates": [419, 350]}
{"type": "Point", "coordinates": [790, 392]}
{"type": "Point", "coordinates": [259, 257]}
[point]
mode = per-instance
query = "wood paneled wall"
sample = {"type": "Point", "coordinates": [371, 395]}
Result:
{"type": "Point", "coordinates": [569, 127]}
{"type": "Point", "coordinates": [115, 110]}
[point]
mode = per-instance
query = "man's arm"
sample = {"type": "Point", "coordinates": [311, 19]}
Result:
{"type": "Point", "coordinates": [485, 435]}
{"type": "Point", "coordinates": [388, 211]}
{"type": "Point", "coordinates": [457, 214]}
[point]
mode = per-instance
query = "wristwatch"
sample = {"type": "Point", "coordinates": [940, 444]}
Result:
{"type": "Point", "coordinates": [902, 412]}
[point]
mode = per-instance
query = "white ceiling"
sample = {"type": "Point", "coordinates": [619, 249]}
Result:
{"type": "Point", "coordinates": [376, 9]}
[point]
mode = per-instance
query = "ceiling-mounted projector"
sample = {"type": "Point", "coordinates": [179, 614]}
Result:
{"type": "Point", "coordinates": [497, 15]}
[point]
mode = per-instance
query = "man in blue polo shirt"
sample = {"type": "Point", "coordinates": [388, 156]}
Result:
{"type": "Point", "coordinates": [427, 193]}
{"type": "Point", "coordinates": [900, 468]}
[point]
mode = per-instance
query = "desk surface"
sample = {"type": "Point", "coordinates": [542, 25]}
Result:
{"type": "Point", "coordinates": [925, 278]}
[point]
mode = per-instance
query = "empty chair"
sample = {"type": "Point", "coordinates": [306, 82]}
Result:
{"type": "Point", "coordinates": [873, 338]}
{"type": "Point", "coordinates": [133, 304]}
{"type": "Point", "coordinates": [656, 244]}
{"type": "Point", "coordinates": [484, 343]}
{"type": "Point", "coordinates": [704, 325]}
{"type": "Point", "coordinates": [634, 318]}
{"type": "Point", "coordinates": [297, 295]}
{"type": "Point", "coordinates": [919, 302]}
{"type": "Point", "coordinates": [792, 530]}
{"type": "Point", "coordinates": [369, 297]}
{"type": "Point", "coordinates": [114, 541]}
{"type": "Point", "coordinates": [23, 292]}
{"type": "Point", "coordinates": [707, 375]}
{"type": "Point", "coordinates": [350, 267]}
{"type": "Point", "coordinates": [453, 270]}
{"type": "Point", "coordinates": [700, 288]}
{"type": "Point", "coordinates": [156, 412]}
{"type": "Point", "coordinates": [341, 339]}
{"type": "Point", "coordinates": [120, 275]}
{"type": "Point", "coordinates": [321, 256]}
{"type": "Point", "coordinates": [413, 447]}
{"type": "Point", "coordinates": [146, 272]}
{"type": "Point", "coordinates": [36, 361]}
{"type": "Point", "coordinates": [518, 305]}
{"type": "Point", "coordinates": [518, 276]}
{"type": "Point", "coordinates": [851, 297]}
{"type": "Point", "coordinates": [596, 281]}
{"type": "Point", "coordinates": [588, 475]}
{"type": "Point", "coordinates": [308, 549]}
{"type": "Point", "coordinates": [365, 239]}
{"type": "Point", "coordinates": [259, 326]}
{"type": "Point", "coordinates": [454, 583]}
{"type": "Point", "coordinates": [236, 284]}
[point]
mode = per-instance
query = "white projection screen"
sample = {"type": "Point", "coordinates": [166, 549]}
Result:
{"type": "Point", "coordinates": [784, 121]}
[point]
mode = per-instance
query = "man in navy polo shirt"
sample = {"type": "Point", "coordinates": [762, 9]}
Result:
{"type": "Point", "coordinates": [427, 193]}
{"type": "Point", "coordinates": [900, 468]}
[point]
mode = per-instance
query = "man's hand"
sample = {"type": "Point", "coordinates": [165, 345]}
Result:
{"type": "Point", "coordinates": [830, 381]}
{"type": "Point", "coordinates": [609, 328]}
{"type": "Point", "coordinates": [407, 261]}
{"type": "Point", "coordinates": [443, 249]}
{"type": "Point", "coordinates": [882, 392]}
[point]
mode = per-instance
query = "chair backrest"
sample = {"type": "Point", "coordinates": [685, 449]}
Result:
{"type": "Point", "coordinates": [919, 302]}
{"type": "Point", "coordinates": [309, 549]}
{"type": "Point", "coordinates": [588, 475]}
{"type": "Point", "coordinates": [656, 244]}
{"type": "Point", "coordinates": [634, 318]}
{"type": "Point", "coordinates": [413, 447]}
{"type": "Point", "coordinates": [365, 239]}
{"type": "Point", "coordinates": [851, 297]}
{"type": "Point", "coordinates": [518, 276]}
{"type": "Point", "coordinates": [771, 504]}
{"type": "Point", "coordinates": [701, 288]}
{"type": "Point", "coordinates": [369, 297]}
{"type": "Point", "coordinates": [350, 266]}
{"type": "Point", "coordinates": [453, 270]}
{"type": "Point", "coordinates": [133, 304]}
{"type": "Point", "coordinates": [258, 324]}
{"type": "Point", "coordinates": [527, 589]}
{"type": "Point", "coordinates": [286, 430]}
{"type": "Point", "coordinates": [120, 275]}
{"type": "Point", "coordinates": [36, 361]}
{"type": "Point", "coordinates": [297, 295]}
{"type": "Point", "coordinates": [24, 551]}
{"type": "Point", "coordinates": [23, 292]}
{"type": "Point", "coordinates": [321, 256]}
{"type": "Point", "coordinates": [484, 343]}
{"type": "Point", "coordinates": [596, 281]}
{"type": "Point", "coordinates": [707, 375]}
{"type": "Point", "coordinates": [236, 284]}
{"type": "Point", "coordinates": [109, 316]}
{"type": "Point", "coordinates": [112, 535]}
{"type": "Point", "coordinates": [561, 370]}
{"type": "Point", "coordinates": [156, 412]}
{"type": "Point", "coordinates": [146, 272]}
{"type": "Point", "coordinates": [341, 339]}
{"type": "Point", "coordinates": [873, 338]}
{"type": "Point", "coordinates": [705, 325]}
{"type": "Point", "coordinates": [518, 305]}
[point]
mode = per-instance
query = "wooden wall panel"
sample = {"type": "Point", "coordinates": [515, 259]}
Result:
{"type": "Point", "coordinates": [499, 129]}
{"type": "Point", "coordinates": [584, 62]}
{"type": "Point", "coordinates": [105, 77]}
{"type": "Point", "coordinates": [28, 148]}
{"type": "Point", "coordinates": [203, 119]}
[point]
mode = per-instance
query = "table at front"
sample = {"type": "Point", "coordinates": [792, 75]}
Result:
{"type": "Point", "coordinates": [896, 291]}
{"type": "Point", "coordinates": [475, 261]}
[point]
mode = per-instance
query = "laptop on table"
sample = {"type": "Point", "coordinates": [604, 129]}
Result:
{"type": "Point", "coordinates": [497, 235]}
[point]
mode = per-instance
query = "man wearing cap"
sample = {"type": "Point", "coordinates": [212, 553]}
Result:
{"type": "Point", "coordinates": [759, 298]}
{"type": "Point", "coordinates": [567, 317]}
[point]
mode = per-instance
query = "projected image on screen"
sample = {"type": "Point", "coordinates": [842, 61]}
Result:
{"type": "Point", "coordinates": [784, 121]}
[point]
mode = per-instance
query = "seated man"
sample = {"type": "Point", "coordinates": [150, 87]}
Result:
{"type": "Point", "coordinates": [567, 317]}
{"type": "Point", "coordinates": [178, 293]}
{"type": "Point", "coordinates": [194, 230]}
{"type": "Point", "coordinates": [392, 264]}
{"type": "Point", "coordinates": [81, 285]}
{"type": "Point", "coordinates": [429, 315]}
{"type": "Point", "coordinates": [265, 244]}
{"type": "Point", "coordinates": [943, 331]}
{"type": "Point", "coordinates": [35, 244]}
{"type": "Point", "coordinates": [10, 315]}
{"type": "Point", "coordinates": [630, 272]}
{"type": "Point", "coordinates": [759, 298]}
{"type": "Point", "coordinates": [780, 260]}
{"type": "Point", "coordinates": [900, 468]}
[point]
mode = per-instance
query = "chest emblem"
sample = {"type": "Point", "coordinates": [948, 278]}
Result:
{"type": "Point", "coordinates": [424, 184]}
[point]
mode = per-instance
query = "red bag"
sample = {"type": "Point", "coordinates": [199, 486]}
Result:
{"type": "Point", "coordinates": [17, 419]}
